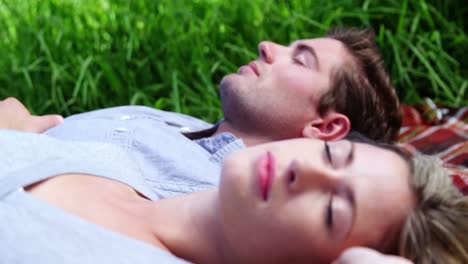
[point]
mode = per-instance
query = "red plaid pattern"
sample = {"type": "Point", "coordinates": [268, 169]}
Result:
{"type": "Point", "coordinates": [432, 130]}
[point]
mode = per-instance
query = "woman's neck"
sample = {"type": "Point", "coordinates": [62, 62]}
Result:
{"type": "Point", "coordinates": [189, 227]}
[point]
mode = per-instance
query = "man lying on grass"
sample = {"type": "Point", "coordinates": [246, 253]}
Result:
{"type": "Point", "coordinates": [320, 88]}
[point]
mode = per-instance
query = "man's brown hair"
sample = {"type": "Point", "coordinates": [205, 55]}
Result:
{"type": "Point", "coordinates": [361, 88]}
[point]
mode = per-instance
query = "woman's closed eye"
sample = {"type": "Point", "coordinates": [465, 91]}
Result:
{"type": "Point", "coordinates": [329, 213]}
{"type": "Point", "coordinates": [328, 153]}
{"type": "Point", "coordinates": [338, 217]}
{"type": "Point", "coordinates": [339, 154]}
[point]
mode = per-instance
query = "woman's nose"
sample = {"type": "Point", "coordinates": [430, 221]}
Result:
{"type": "Point", "coordinates": [266, 50]}
{"type": "Point", "coordinates": [306, 175]}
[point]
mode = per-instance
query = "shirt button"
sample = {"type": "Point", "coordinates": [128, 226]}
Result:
{"type": "Point", "coordinates": [184, 129]}
{"type": "Point", "coordinates": [125, 117]}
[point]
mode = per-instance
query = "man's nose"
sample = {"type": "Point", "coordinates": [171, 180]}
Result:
{"type": "Point", "coordinates": [307, 175]}
{"type": "Point", "coordinates": [268, 51]}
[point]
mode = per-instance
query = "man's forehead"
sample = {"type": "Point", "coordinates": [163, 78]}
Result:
{"type": "Point", "coordinates": [323, 41]}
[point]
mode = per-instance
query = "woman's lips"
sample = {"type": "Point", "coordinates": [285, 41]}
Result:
{"type": "Point", "coordinates": [265, 173]}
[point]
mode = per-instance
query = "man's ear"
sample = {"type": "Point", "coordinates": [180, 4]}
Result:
{"type": "Point", "coordinates": [332, 126]}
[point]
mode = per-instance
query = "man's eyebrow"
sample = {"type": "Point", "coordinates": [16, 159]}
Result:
{"type": "Point", "coordinates": [310, 49]}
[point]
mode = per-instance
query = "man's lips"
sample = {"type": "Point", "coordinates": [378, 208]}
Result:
{"type": "Point", "coordinates": [254, 67]}
{"type": "Point", "coordinates": [265, 172]}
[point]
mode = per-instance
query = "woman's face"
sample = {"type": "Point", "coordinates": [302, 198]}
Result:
{"type": "Point", "coordinates": [303, 199]}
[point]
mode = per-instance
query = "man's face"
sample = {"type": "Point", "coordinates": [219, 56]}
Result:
{"type": "Point", "coordinates": [278, 94]}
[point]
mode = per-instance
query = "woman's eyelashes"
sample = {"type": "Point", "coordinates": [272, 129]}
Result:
{"type": "Point", "coordinates": [329, 213]}
{"type": "Point", "coordinates": [339, 154]}
{"type": "Point", "coordinates": [328, 153]}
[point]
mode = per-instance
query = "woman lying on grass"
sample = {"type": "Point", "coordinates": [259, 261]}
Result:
{"type": "Point", "coordinates": [295, 201]}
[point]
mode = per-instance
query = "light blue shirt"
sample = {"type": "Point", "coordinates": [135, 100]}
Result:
{"type": "Point", "coordinates": [139, 146]}
{"type": "Point", "coordinates": [154, 138]}
{"type": "Point", "coordinates": [33, 231]}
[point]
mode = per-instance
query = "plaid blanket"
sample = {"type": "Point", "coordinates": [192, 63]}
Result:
{"type": "Point", "coordinates": [443, 132]}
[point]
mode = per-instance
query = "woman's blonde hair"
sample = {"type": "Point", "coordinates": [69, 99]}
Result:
{"type": "Point", "coordinates": [436, 231]}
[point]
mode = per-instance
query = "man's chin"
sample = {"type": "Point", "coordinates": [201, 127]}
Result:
{"type": "Point", "coordinates": [229, 78]}
{"type": "Point", "coordinates": [235, 81]}
{"type": "Point", "coordinates": [229, 82]}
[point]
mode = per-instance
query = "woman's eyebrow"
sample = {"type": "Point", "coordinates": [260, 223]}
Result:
{"type": "Point", "coordinates": [350, 200]}
{"type": "Point", "coordinates": [351, 196]}
{"type": "Point", "coordinates": [350, 191]}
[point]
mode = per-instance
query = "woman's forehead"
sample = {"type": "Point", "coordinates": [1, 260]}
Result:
{"type": "Point", "coordinates": [382, 192]}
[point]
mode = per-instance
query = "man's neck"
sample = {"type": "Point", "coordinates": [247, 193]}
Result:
{"type": "Point", "coordinates": [249, 139]}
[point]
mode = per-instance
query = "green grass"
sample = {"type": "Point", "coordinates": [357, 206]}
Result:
{"type": "Point", "coordinates": [69, 56]}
